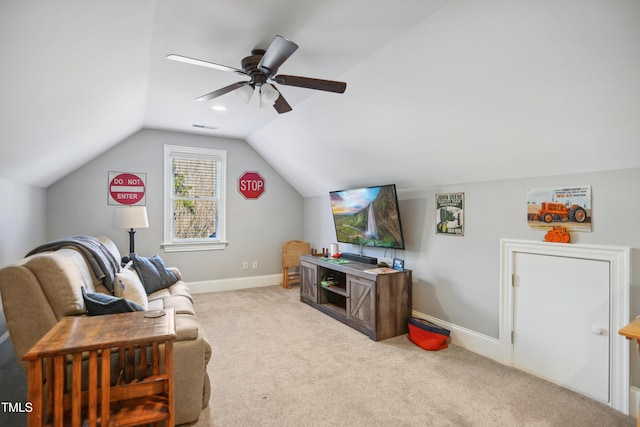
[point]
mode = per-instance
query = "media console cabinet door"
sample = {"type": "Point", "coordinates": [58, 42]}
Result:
{"type": "Point", "coordinates": [361, 303]}
{"type": "Point", "coordinates": [309, 281]}
{"type": "Point", "coordinates": [561, 321]}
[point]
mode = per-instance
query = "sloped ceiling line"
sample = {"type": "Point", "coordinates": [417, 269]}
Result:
{"type": "Point", "coordinates": [439, 92]}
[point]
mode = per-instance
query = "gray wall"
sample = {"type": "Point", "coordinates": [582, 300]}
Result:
{"type": "Point", "coordinates": [256, 229]}
{"type": "Point", "coordinates": [22, 219]}
{"type": "Point", "coordinates": [457, 279]}
{"type": "Point", "coordinates": [22, 226]}
{"type": "Point", "coordinates": [22, 223]}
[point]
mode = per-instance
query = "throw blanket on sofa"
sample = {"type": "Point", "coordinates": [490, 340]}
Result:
{"type": "Point", "coordinates": [100, 259]}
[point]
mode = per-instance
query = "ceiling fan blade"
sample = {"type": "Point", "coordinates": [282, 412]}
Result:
{"type": "Point", "coordinates": [309, 83]}
{"type": "Point", "coordinates": [202, 63]}
{"type": "Point", "coordinates": [279, 50]}
{"type": "Point", "coordinates": [222, 91]}
{"type": "Point", "coordinates": [281, 105]}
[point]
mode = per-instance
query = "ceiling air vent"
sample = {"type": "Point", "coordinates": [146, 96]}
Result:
{"type": "Point", "coordinates": [196, 125]}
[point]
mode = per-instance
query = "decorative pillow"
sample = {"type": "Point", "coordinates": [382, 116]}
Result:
{"type": "Point", "coordinates": [128, 286]}
{"type": "Point", "coordinates": [168, 278]}
{"type": "Point", "coordinates": [99, 304]}
{"type": "Point", "coordinates": [153, 273]}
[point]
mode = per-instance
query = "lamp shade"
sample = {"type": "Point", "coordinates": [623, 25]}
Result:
{"type": "Point", "coordinates": [132, 217]}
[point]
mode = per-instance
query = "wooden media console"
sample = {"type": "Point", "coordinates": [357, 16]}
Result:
{"type": "Point", "coordinates": [375, 303]}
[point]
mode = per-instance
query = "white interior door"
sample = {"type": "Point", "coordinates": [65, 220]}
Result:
{"type": "Point", "coordinates": [561, 321]}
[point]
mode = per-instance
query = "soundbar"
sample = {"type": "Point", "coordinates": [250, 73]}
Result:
{"type": "Point", "coordinates": [359, 258]}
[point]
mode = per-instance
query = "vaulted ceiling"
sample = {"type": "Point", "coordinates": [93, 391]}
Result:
{"type": "Point", "coordinates": [438, 91]}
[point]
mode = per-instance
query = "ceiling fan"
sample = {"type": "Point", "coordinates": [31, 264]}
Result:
{"type": "Point", "coordinates": [261, 67]}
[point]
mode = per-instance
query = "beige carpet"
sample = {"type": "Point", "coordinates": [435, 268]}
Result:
{"type": "Point", "coordinates": [279, 362]}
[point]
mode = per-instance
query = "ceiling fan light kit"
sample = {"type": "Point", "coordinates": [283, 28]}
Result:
{"type": "Point", "coordinates": [245, 92]}
{"type": "Point", "coordinates": [268, 94]}
{"type": "Point", "coordinates": [261, 67]}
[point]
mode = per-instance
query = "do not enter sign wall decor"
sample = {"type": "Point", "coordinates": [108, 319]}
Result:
{"type": "Point", "coordinates": [251, 185]}
{"type": "Point", "coordinates": [126, 188]}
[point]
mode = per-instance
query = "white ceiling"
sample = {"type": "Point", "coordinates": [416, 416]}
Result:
{"type": "Point", "coordinates": [438, 92]}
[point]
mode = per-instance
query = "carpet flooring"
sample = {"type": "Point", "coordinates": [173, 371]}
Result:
{"type": "Point", "coordinates": [279, 362]}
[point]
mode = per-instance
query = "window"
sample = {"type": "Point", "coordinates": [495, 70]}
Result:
{"type": "Point", "coordinates": [194, 198]}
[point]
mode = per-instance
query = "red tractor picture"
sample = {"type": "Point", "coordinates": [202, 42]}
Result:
{"type": "Point", "coordinates": [550, 212]}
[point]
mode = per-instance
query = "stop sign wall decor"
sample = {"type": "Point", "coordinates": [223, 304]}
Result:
{"type": "Point", "coordinates": [251, 185]}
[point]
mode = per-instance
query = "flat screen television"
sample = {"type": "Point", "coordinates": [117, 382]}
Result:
{"type": "Point", "coordinates": [368, 216]}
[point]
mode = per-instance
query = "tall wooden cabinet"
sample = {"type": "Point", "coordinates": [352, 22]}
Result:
{"type": "Point", "coordinates": [377, 305]}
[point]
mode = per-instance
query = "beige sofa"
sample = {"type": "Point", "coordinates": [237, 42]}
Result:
{"type": "Point", "coordinates": [40, 289]}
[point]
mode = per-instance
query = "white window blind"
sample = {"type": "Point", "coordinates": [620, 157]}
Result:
{"type": "Point", "coordinates": [194, 198]}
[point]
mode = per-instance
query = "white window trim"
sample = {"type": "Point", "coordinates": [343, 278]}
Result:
{"type": "Point", "coordinates": [196, 245]}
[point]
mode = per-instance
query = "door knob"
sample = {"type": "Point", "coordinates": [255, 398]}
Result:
{"type": "Point", "coordinates": [597, 330]}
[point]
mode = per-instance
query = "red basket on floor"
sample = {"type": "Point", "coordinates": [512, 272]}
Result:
{"type": "Point", "coordinates": [426, 335]}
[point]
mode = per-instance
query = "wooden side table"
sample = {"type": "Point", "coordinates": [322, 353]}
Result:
{"type": "Point", "coordinates": [632, 332]}
{"type": "Point", "coordinates": [70, 377]}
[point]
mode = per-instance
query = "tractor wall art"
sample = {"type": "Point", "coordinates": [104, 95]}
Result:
{"type": "Point", "coordinates": [569, 207]}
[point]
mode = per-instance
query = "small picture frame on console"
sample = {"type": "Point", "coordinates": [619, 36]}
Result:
{"type": "Point", "coordinates": [398, 264]}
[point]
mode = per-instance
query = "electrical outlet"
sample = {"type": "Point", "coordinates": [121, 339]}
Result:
{"type": "Point", "coordinates": [245, 265]}
{"type": "Point", "coordinates": [254, 265]}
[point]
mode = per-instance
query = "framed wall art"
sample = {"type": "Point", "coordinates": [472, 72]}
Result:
{"type": "Point", "coordinates": [569, 207]}
{"type": "Point", "coordinates": [450, 214]}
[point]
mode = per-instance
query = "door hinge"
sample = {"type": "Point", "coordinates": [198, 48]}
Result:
{"type": "Point", "coordinates": [512, 334]}
{"type": "Point", "coordinates": [513, 280]}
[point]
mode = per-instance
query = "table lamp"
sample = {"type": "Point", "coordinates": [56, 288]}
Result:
{"type": "Point", "coordinates": [132, 217]}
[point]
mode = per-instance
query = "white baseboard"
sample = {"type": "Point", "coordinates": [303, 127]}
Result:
{"type": "Point", "coordinates": [235, 283]}
{"type": "Point", "coordinates": [466, 338]}
{"type": "Point", "coordinates": [634, 401]}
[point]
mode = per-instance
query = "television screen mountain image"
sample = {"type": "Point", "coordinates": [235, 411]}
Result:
{"type": "Point", "coordinates": [368, 216]}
